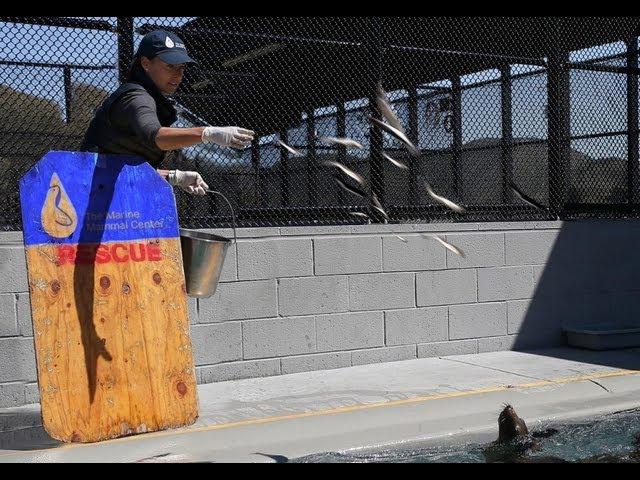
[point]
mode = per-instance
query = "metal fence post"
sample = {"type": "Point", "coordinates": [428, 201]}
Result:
{"type": "Point", "coordinates": [412, 107]}
{"type": "Point", "coordinates": [125, 46]}
{"type": "Point", "coordinates": [341, 130]}
{"type": "Point", "coordinates": [375, 52]}
{"type": "Point", "coordinates": [257, 171]}
{"type": "Point", "coordinates": [311, 166]}
{"type": "Point", "coordinates": [284, 164]}
{"type": "Point", "coordinates": [507, 133]}
{"type": "Point", "coordinates": [456, 103]}
{"type": "Point", "coordinates": [559, 127]}
{"type": "Point", "coordinates": [632, 119]}
{"type": "Point", "coordinates": [68, 93]}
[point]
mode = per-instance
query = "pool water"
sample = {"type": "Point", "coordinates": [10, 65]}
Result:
{"type": "Point", "coordinates": [608, 438]}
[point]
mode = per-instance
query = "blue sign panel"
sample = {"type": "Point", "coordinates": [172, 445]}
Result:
{"type": "Point", "coordinates": [78, 197]}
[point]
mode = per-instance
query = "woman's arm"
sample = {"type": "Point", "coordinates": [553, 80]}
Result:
{"type": "Point", "coordinates": [139, 110]}
{"type": "Point", "coordinates": [170, 138]}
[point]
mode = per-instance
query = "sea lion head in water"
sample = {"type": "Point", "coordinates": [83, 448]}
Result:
{"type": "Point", "coordinates": [510, 425]}
{"type": "Point", "coordinates": [513, 440]}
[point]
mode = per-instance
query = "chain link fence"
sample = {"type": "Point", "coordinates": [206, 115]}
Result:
{"type": "Point", "coordinates": [515, 118]}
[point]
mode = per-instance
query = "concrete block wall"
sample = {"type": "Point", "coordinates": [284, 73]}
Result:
{"type": "Point", "coordinates": [296, 299]}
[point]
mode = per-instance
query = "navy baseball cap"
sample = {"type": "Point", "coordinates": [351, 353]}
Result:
{"type": "Point", "coordinates": [166, 46]}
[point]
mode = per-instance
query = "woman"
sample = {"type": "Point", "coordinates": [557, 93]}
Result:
{"type": "Point", "coordinates": [136, 119]}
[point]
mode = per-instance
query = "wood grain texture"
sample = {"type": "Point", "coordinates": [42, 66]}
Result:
{"type": "Point", "coordinates": [108, 298]}
{"type": "Point", "coordinates": [121, 363]}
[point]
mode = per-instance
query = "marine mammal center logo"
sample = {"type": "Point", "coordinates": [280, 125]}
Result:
{"type": "Point", "coordinates": [58, 216]}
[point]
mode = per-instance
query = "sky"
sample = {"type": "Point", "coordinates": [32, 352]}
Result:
{"type": "Point", "coordinates": [598, 100]}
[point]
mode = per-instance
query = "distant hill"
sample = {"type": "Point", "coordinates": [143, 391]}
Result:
{"type": "Point", "coordinates": [30, 126]}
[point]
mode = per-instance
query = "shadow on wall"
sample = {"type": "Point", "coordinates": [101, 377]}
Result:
{"type": "Point", "coordinates": [591, 276]}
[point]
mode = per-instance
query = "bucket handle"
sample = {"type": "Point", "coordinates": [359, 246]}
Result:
{"type": "Point", "coordinates": [233, 215]}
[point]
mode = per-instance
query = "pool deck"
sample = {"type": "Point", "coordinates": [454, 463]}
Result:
{"type": "Point", "coordinates": [430, 399]}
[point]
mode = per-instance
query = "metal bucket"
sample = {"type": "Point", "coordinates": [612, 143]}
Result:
{"type": "Point", "coordinates": [203, 257]}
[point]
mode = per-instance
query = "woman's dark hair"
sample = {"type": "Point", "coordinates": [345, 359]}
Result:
{"type": "Point", "coordinates": [135, 69]}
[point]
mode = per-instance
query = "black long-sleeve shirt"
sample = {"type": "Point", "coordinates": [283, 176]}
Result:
{"type": "Point", "coordinates": [136, 110]}
{"type": "Point", "coordinates": [128, 121]}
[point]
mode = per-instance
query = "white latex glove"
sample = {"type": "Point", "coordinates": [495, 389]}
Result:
{"type": "Point", "coordinates": [235, 137]}
{"type": "Point", "coordinates": [190, 182]}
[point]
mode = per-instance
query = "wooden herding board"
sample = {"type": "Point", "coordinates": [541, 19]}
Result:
{"type": "Point", "coordinates": [108, 298]}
